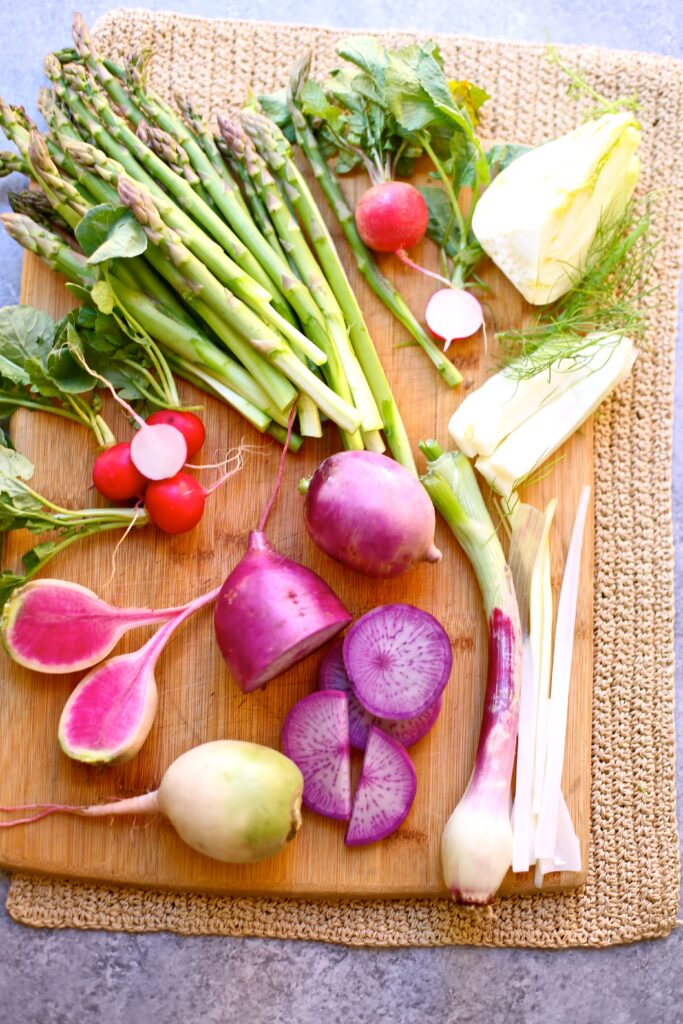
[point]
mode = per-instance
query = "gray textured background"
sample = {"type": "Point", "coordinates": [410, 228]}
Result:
{"type": "Point", "coordinates": [63, 977]}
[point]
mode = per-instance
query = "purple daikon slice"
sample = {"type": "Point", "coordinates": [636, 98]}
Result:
{"type": "Point", "coordinates": [386, 790]}
{"type": "Point", "coordinates": [398, 659]}
{"type": "Point", "coordinates": [332, 676]}
{"type": "Point", "coordinates": [316, 737]}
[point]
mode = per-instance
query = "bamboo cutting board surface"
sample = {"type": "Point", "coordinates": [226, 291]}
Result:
{"type": "Point", "coordinates": [198, 701]}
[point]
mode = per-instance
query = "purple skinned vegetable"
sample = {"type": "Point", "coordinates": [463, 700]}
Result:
{"type": "Point", "coordinates": [398, 659]}
{"type": "Point", "coordinates": [370, 513]}
{"type": "Point", "coordinates": [385, 793]}
{"type": "Point", "coordinates": [332, 676]}
{"type": "Point", "coordinates": [272, 612]}
{"type": "Point", "coordinates": [109, 715]}
{"type": "Point", "coordinates": [56, 626]}
{"type": "Point", "coordinates": [316, 737]}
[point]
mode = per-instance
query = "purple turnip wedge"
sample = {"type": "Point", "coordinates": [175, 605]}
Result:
{"type": "Point", "coordinates": [398, 659]}
{"type": "Point", "coordinates": [332, 676]}
{"type": "Point", "coordinates": [55, 626]}
{"type": "Point", "coordinates": [476, 846]}
{"type": "Point", "coordinates": [385, 793]}
{"type": "Point", "coordinates": [109, 715]}
{"type": "Point", "coordinates": [316, 737]}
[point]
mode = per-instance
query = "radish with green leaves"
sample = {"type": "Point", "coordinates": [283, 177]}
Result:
{"type": "Point", "coordinates": [271, 611]}
{"type": "Point", "coordinates": [392, 216]}
{"type": "Point", "coordinates": [333, 676]}
{"type": "Point", "coordinates": [385, 793]}
{"type": "Point", "coordinates": [55, 626]}
{"type": "Point", "coordinates": [398, 659]}
{"type": "Point", "coordinates": [109, 715]}
{"type": "Point", "coordinates": [233, 801]}
{"type": "Point", "coordinates": [316, 737]}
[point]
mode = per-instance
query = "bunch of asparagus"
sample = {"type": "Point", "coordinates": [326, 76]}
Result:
{"type": "Point", "coordinates": [240, 284]}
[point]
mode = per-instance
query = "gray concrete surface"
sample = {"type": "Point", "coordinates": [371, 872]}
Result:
{"type": "Point", "coordinates": [63, 977]}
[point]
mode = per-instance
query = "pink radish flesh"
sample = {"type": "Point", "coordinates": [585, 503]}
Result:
{"type": "Point", "coordinates": [189, 425]}
{"type": "Point", "coordinates": [408, 731]}
{"type": "Point", "coordinates": [109, 715]}
{"type": "Point", "coordinates": [453, 314]}
{"type": "Point", "coordinates": [271, 613]}
{"type": "Point", "coordinates": [385, 793]}
{"type": "Point", "coordinates": [398, 659]}
{"type": "Point", "coordinates": [158, 451]}
{"type": "Point", "coordinates": [369, 513]}
{"type": "Point", "coordinates": [392, 215]}
{"type": "Point", "coordinates": [316, 737]}
{"type": "Point", "coordinates": [54, 626]}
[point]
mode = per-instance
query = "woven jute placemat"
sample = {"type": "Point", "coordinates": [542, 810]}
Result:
{"type": "Point", "coordinates": [633, 873]}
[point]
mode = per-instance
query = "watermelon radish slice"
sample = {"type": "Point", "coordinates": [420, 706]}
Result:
{"type": "Point", "coordinates": [398, 659]}
{"type": "Point", "coordinates": [316, 737]}
{"type": "Point", "coordinates": [332, 676]}
{"type": "Point", "coordinates": [386, 790]}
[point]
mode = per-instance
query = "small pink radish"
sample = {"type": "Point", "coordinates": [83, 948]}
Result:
{"type": "Point", "coordinates": [391, 216]}
{"type": "Point", "coordinates": [189, 425]}
{"type": "Point", "coordinates": [398, 659]}
{"type": "Point", "coordinates": [332, 676]}
{"type": "Point", "coordinates": [453, 314]}
{"type": "Point", "coordinates": [54, 626]}
{"type": "Point", "coordinates": [316, 737]}
{"type": "Point", "coordinates": [109, 715]}
{"type": "Point", "coordinates": [369, 513]}
{"type": "Point", "coordinates": [272, 612]}
{"type": "Point", "coordinates": [115, 476]}
{"type": "Point", "coordinates": [176, 505]}
{"type": "Point", "coordinates": [233, 801]}
{"type": "Point", "coordinates": [385, 793]}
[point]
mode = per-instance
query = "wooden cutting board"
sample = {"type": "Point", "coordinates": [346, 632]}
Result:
{"type": "Point", "coordinates": [198, 701]}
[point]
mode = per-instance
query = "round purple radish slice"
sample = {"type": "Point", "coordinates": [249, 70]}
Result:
{"type": "Point", "coordinates": [386, 790]}
{"type": "Point", "coordinates": [398, 659]}
{"type": "Point", "coordinates": [332, 676]}
{"type": "Point", "coordinates": [316, 737]}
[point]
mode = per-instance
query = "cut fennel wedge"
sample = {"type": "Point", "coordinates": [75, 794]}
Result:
{"type": "Point", "coordinates": [525, 450]}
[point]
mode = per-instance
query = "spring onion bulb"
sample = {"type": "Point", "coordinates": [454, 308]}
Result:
{"type": "Point", "coordinates": [539, 414]}
{"type": "Point", "coordinates": [476, 846]}
{"type": "Point", "coordinates": [539, 217]}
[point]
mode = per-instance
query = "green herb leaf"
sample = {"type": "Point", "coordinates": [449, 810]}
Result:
{"type": "Point", "coordinates": [107, 232]}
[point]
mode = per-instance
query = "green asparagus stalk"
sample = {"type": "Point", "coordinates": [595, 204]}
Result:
{"type": "Point", "coordinates": [110, 75]}
{"type": "Point", "coordinates": [364, 259]}
{"type": "Point", "coordinates": [208, 142]}
{"type": "Point", "coordinates": [12, 163]}
{"type": "Point", "coordinates": [200, 283]}
{"type": "Point", "coordinates": [34, 204]}
{"type": "Point", "coordinates": [278, 153]}
{"type": "Point", "coordinates": [50, 248]}
{"type": "Point", "coordinates": [168, 150]}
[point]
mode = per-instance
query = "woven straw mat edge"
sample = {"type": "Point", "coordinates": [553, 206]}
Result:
{"type": "Point", "coordinates": [633, 874]}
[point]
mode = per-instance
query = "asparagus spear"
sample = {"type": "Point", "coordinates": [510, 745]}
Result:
{"type": "Point", "coordinates": [50, 248]}
{"type": "Point", "coordinates": [34, 204]}
{"type": "Point", "coordinates": [277, 151]}
{"type": "Point", "coordinates": [12, 163]}
{"type": "Point", "coordinates": [168, 150]}
{"type": "Point", "coordinates": [201, 284]}
{"type": "Point", "coordinates": [364, 259]}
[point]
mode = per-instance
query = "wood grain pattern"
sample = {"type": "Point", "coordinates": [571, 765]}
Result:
{"type": "Point", "coordinates": [197, 699]}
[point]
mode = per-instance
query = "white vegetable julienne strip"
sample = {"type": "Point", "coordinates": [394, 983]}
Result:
{"type": "Point", "coordinates": [546, 832]}
{"type": "Point", "coordinates": [528, 447]}
{"type": "Point", "coordinates": [541, 617]}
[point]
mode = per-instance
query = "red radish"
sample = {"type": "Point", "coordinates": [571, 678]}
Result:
{"type": "Point", "coordinates": [316, 737]}
{"type": "Point", "coordinates": [272, 612]}
{"type": "Point", "coordinates": [189, 425]}
{"type": "Point", "coordinates": [398, 659]}
{"type": "Point", "coordinates": [391, 216]}
{"type": "Point", "coordinates": [452, 314]}
{"type": "Point", "coordinates": [115, 476]}
{"type": "Point", "coordinates": [332, 676]}
{"type": "Point", "coordinates": [54, 626]}
{"type": "Point", "coordinates": [109, 715]}
{"type": "Point", "coordinates": [176, 505]}
{"type": "Point", "coordinates": [369, 513]}
{"type": "Point", "coordinates": [386, 790]}
{"type": "Point", "coordinates": [158, 450]}
{"type": "Point", "coordinates": [233, 801]}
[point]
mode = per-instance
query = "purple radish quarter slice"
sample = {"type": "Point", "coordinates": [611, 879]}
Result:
{"type": "Point", "coordinates": [55, 626]}
{"type": "Point", "coordinates": [316, 737]}
{"type": "Point", "coordinates": [332, 676]}
{"type": "Point", "coordinates": [398, 659]}
{"type": "Point", "coordinates": [386, 790]}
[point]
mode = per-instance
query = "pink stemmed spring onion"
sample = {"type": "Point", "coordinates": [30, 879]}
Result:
{"type": "Point", "coordinates": [476, 847]}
